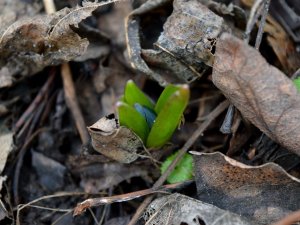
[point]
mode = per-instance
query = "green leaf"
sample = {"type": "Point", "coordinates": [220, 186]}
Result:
{"type": "Point", "coordinates": [297, 83]}
{"type": "Point", "coordinates": [164, 96]}
{"type": "Point", "coordinates": [169, 117]}
{"type": "Point", "coordinates": [133, 94]}
{"type": "Point", "coordinates": [183, 170]}
{"type": "Point", "coordinates": [133, 120]}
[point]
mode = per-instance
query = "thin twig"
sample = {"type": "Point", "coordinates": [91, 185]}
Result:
{"type": "Point", "coordinates": [58, 195]}
{"type": "Point", "coordinates": [262, 23]}
{"type": "Point", "coordinates": [61, 217]}
{"type": "Point", "coordinates": [253, 17]}
{"type": "Point", "coordinates": [213, 115]}
{"type": "Point", "coordinates": [49, 6]}
{"type": "Point", "coordinates": [92, 202]}
{"type": "Point", "coordinates": [69, 90]}
{"type": "Point", "coordinates": [72, 103]}
{"type": "Point", "coordinates": [36, 101]}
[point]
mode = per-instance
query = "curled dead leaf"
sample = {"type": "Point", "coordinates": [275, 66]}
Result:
{"type": "Point", "coordinates": [183, 50]}
{"type": "Point", "coordinates": [30, 44]}
{"type": "Point", "coordinates": [263, 193]}
{"type": "Point", "coordinates": [115, 141]}
{"type": "Point", "coordinates": [262, 93]}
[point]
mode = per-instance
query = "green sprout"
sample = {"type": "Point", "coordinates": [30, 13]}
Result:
{"type": "Point", "coordinates": [183, 170]}
{"type": "Point", "coordinates": [153, 123]}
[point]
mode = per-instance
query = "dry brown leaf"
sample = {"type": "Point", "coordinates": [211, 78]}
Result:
{"type": "Point", "coordinates": [263, 194]}
{"type": "Point", "coordinates": [183, 50]}
{"type": "Point", "coordinates": [180, 209]}
{"type": "Point", "coordinates": [29, 45]}
{"type": "Point", "coordinates": [262, 93]}
{"type": "Point", "coordinates": [113, 141]}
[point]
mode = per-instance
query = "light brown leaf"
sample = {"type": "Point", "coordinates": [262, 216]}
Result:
{"type": "Point", "coordinates": [262, 93]}
{"type": "Point", "coordinates": [113, 141]}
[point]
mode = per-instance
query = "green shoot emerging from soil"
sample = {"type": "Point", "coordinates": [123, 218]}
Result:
{"type": "Point", "coordinates": [153, 123]}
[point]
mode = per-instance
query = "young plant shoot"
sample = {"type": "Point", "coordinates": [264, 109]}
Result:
{"type": "Point", "coordinates": [183, 170]}
{"type": "Point", "coordinates": [153, 123]}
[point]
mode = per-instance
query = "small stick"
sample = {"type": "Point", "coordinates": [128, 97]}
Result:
{"type": "Point", "coordinates": [253, 17]}
{"type": "Point", "coordinates": [69, 90]}
{"type": "Point", "coordinates": [49, 6]}
{"type": "Point", "coordinates": [72, 102]}
{"type": "Point", "coordinates": [36, 101]}
{"type": "Point", "coordinates": [262, 23]}
{"type": "Point", "coordinates": [92, 202]}
{"type": "Point", "coordinates": [213, 115]}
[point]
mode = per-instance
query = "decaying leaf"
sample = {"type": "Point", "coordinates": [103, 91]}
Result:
{"type": "Point", "coordinates": [114, 141]}
{"type": "Point", "coordinates": [185, 47]}
{"type": "Point", "coordinates": [263, 193]}
{"type": "Point", "coordinates": [180, 209]}
{"type": "Point", "coordinates": [30, 44]}
{"type": "Point", "coordinates": [262, 93]}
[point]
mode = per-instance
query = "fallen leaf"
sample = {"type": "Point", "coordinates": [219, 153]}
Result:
{"type": "Point", "coordinates": [183, 51]}
{"type": "Point", "coordinates": [180, 209]}
{"type": "Point", "coordinates": [262, 93]}
{"type": "Point", "coordinates": [114, 141]}
{"type": "Point", "coordinates": [262, 194]}
{"type": "Point", "coordinates": [30, 44]}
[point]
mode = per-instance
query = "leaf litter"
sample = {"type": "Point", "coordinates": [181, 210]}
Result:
{"type": "Point", "coordinates": [262, 93]}
{"type": "Point", "coordinates": [31, 44]}
{"type": "Point", "coordinates": [169, 41]}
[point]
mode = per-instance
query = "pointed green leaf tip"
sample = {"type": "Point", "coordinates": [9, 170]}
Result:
{"type": "Point", "coordinates": [183, 170]}
{"type": "Point", "coordinates": [133, 94]}
{"type": "Point", "coordinates": [168, 118]}
{"type": "Point", "coordinates": [133, 120]}
{"type": "Point", "coordinates": [164, 96]}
